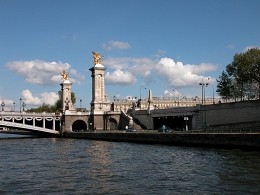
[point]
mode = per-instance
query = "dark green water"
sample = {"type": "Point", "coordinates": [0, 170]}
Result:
{"type": "Point", "coordinates": [71, 166]}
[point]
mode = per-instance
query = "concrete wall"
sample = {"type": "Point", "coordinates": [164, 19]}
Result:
{"type": "Point", "coordinates": [70, 119]}
{"type": "Point", "coordinates": [234, 115]}
{"type": "Point", "coordinates": [234, 140]}
{"type": "Point", "coordinates": [142, 117]}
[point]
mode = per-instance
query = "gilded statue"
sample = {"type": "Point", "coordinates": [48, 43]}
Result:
{"type": "Point", "coordinates": [96, 58]}
{"type": "Point", "coordinates": [64, 75]}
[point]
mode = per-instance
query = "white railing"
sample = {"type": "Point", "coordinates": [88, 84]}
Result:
{"type": "Point", "coordinates": [28, 127]}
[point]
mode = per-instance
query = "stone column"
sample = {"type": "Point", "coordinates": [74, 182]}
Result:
{"type": "Point", "coordinates": [66, 96]}
{"type": "Point", "coordinates": [100, 103]}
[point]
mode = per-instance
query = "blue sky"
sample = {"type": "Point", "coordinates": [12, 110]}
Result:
{"type": "Point", "coordinates": [163, 45]}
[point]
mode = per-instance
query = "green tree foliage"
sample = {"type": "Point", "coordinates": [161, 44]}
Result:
{"type": "Point", "coordinates": [43, 108]}
{"type": "Point", "coordinates": [57, 107]}
{"type": "Point", "coordinates": [224, 88]}
{"type": "Point", "coordinates": [243, 75]}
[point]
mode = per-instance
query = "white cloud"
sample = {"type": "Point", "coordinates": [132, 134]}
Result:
{"type": "Point", "coordinates": [41, 72]}
{"type": "Point", "coordinates": [117, 63]}
{"type": "Point", "coordinates": [47, 98]}
{"type": "Point", "coordinates": [178, 74]}
{"type": "Point", "coordinates": [137, 66]}
{"type": "Point", "coordinates": [116, 45]}
{"type": "Point", "coordinates": [28, 98]}
{"type": "Point", "coordinates": [173, 93]}
{"type": "Point", "coordinates": [174, 73]}
{"type": "Point", "coordinates": [120, 77]}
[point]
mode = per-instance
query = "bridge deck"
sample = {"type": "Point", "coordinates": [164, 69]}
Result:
{"type": "Point", "coordinates": [28, 127]}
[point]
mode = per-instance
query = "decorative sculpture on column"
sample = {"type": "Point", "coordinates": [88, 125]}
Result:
{"type": "Point", "coordinates": [66, 92]}
{"type": "Point", "coordinates": [96, 58]}
{"type": "Point", "coordinates": [64, 75]}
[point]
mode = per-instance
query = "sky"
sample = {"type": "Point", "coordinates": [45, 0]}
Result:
{"type": "Point", "coordinates": [168, 46]}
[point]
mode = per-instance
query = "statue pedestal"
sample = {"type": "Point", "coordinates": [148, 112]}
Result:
{"type": "Point", "coordinates": [66, 96]}
{"type": "Point", "coordinates": [99, 66]}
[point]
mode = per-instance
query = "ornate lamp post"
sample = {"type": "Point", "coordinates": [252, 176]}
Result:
{"type": "Point", "coordinates": [141, 92]}
{"type": "Point", "coordinates": [20, 105]}
{"type": "Point", "coordinates": [204, 116]}
{"type": "Point", "coordinates": [203, 85]}
{"type": "Point", "coordinates": [3, 105]}
{"type": "Point", "coordinates": [213, 94]}
{"type": "Point", "coordinates": [201, 92]}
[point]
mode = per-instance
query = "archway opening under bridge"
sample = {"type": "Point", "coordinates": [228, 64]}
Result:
{"type": "Point", "coordinates": [79, 125]}
{"type": "Point", "coordinates": [176, 123]}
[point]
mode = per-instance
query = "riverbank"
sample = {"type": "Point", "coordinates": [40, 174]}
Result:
{"type": "Point", "coordinates": [225, 140]}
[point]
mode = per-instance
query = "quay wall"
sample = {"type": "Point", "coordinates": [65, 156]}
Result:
{"type": "Point", "coordinates": [233, 115]}
{"type": "Point", "coordinates": [227, 140]}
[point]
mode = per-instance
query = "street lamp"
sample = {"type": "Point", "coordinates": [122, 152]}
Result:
{"type": "Point", "coordinates": [3, 105]}
{"type": "Point", "coordinates": [14, 106]}
{"type": "Point", "coordinates": [80, 103]}
{"type": "Point", "coordinates": [203, 86]}
{"type": "Point", "coordinates": [141, 92]}
{"type": "Point", "coordinates": [213, 94]}
{"type": "Point", "coordinates": [201, 93]}
{"type": "Point", "coordinates": [20, 105]}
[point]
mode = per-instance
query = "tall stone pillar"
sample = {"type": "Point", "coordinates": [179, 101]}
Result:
{"type": "Point", "coordinates": [66, 96]}
{"type": "Point", "coordinates": [100, 103]}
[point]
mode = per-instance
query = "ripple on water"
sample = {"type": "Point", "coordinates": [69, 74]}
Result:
{"type": "Point", "coordinates": [69, 166]}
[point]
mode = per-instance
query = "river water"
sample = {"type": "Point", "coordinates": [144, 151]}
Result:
{"type": "Point", "coordinates": [78, 166]}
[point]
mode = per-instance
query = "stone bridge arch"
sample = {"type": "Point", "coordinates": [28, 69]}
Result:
{"type": "Point", "coordinates": [79, 126]}
{"type": "Point", "coordinates": [112, 122]}
{"type": "Point", "coordinates": [76, 123]}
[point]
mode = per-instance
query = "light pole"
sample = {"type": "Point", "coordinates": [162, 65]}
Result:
{"type": "Point", "coordinates": [3, 105]}
{"type": "Point", "coordinates": [20, 105]}
{"type": "Point", "coordinates": [14, 106]}
{"type": "Point", "coordinates": [201, 93]}
{"type": "Point", "coordinates": [213, 94]}
{"type": "Point", "coordinates": [141, 92]}
{"type": "Point", "coordinates": [203, 85]}
{"type": "Point", "coordinates": [203, 90]}
{"type": "Point", "coordinates": [80, 103]}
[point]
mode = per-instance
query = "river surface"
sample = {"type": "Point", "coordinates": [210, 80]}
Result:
{"type": "Point", "coordinates": [79, 166]}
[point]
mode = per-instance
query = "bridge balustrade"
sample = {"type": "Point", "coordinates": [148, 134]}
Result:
{"type": "Point", "coordinates": [34, 119]}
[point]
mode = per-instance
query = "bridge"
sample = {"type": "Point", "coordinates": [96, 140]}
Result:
{"type": "Point", "coordinates": [47, 123]}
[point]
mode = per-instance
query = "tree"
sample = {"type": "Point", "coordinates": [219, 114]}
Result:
{"type": "Point", "coordinates": [224, 88]}
{"type": "Point", "coordinates": [43, 108]}
{"type": "Point", "coordinates": [58, 103]}
{"type": "Point", "coordinates": [53, 108]}
{"type": "Point", "coordinates": [244, 72]}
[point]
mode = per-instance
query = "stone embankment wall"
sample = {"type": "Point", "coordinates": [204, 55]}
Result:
{"type": "Point", "coordinates": [236, 115]}
{"type": "Point", "coordinates": [229, 140]}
